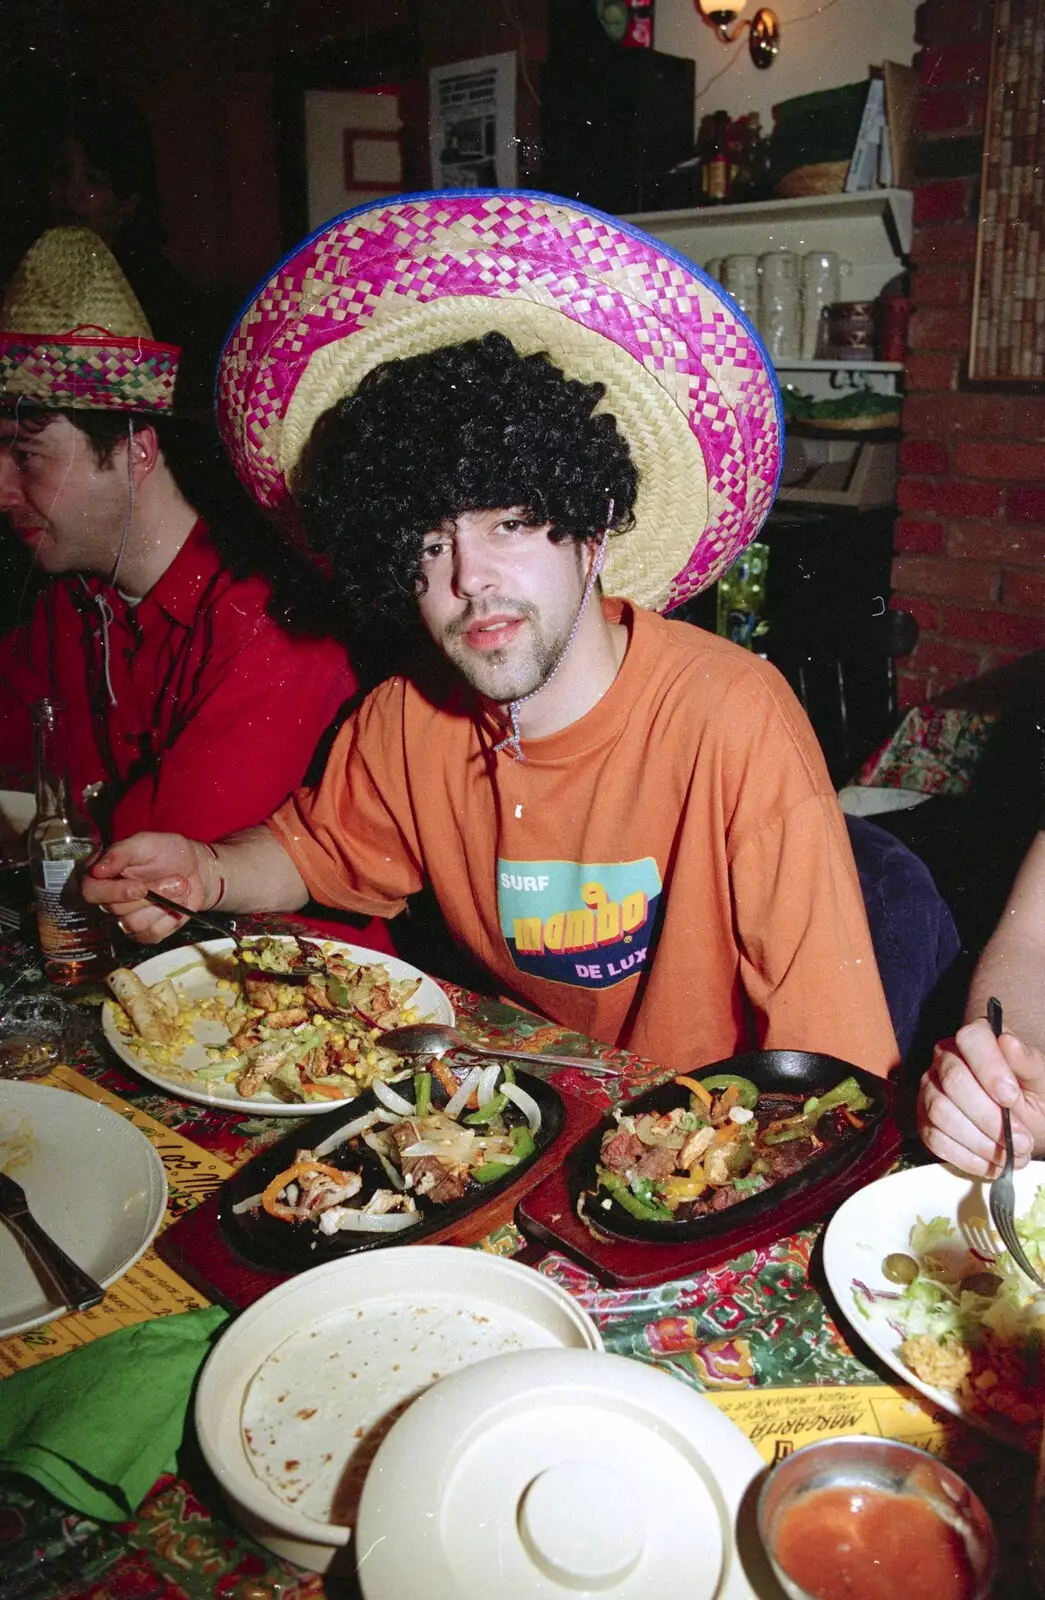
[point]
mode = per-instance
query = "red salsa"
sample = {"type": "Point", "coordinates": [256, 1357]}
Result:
{"type": "Point", "coordinates": [868, 1544]}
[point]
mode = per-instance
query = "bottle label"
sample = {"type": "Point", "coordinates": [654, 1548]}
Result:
{"type": "Point", "coordinates": [69, 930]}
{"type": "Point", "coordinates": [57, 874]}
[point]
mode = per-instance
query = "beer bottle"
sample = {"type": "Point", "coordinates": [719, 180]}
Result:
{"type": "Point", "coordinates": [74, 936]}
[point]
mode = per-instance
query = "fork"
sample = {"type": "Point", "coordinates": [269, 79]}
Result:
{"type": "Point", "coordinates": [76, 1288]}
{"type": "Point", "coordinates": [221, 922]}
{"type": "Point", "coordinates": [1001, 1197]}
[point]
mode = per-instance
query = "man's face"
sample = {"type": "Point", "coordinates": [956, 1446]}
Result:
{"type": "Point", "coordinates": [82, 196]}
{"type": "Point", "coordinates": [65, 508]}
{"type": "Point", "coordinates": [502, 598]}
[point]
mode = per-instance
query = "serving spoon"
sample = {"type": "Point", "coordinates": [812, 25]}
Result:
{"type": "Point", "coordinates": [438, 1039]}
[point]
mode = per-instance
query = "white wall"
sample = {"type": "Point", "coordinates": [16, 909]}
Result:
{"type": "Point", "coordinates": [820, 48]}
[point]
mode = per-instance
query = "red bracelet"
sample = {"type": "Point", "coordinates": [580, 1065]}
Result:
{"type": "Point", "coordinates": [221, 877]}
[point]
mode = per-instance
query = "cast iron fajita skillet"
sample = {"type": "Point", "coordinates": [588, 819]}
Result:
{"type": "Point", "coordinates": [801, 1073]}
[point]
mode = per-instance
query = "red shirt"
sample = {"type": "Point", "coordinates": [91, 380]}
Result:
{"type": "Point", "coordinates": [210, 713]}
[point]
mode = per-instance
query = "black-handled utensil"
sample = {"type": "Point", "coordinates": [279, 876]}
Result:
{"type": "Point", "coordinates": [74, 1287]}
{"type": "Point", "coordinates": [1001, 1197]}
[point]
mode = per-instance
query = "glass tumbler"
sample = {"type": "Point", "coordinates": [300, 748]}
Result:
{"type": "Point", "coordinates": [821, 287]}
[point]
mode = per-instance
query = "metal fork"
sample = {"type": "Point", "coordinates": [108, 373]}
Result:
{"type": "Point", "coordinates": [75, 1288]}
{"type": "Point", "coordinates": [1001, 1197]}
{"type": "Point", "coordinates": [221, 922]}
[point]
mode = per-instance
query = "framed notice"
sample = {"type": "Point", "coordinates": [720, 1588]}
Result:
{"type": "Point", "coordinates": [472, 123]}
{"type": "Point", "coordinates": [1008, 319]}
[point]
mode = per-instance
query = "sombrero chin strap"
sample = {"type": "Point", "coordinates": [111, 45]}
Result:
{"type": "Point", "coordinates": [513, 741]}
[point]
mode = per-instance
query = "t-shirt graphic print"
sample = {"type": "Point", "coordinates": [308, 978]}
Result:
{"type": "Point", "coordinates": [589, 925]}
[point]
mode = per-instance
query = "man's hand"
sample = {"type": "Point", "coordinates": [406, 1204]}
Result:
{"type": "Point", "coordinates": [972, 1076]}
{"type": "Point", "coordinates": [182, 868]}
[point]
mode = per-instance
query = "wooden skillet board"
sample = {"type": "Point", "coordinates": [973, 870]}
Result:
{"type": "Point", "coordinates": [199, 1249]}
{"type": "Point", "coordinates": [547, 1215]}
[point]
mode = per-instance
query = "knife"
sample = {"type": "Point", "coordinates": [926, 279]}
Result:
{"type": "Point", "coordinates": [76, 1288]}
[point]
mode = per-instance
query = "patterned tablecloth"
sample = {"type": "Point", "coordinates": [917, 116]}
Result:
{"type": "Point", "coordinates": [756, 1334]}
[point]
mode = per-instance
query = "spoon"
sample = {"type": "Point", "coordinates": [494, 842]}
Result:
{"type": "Point", "coordinates": [437, 1039]}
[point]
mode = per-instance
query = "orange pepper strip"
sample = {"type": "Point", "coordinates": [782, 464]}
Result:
{"type": "Point", "coordinates": [697, 1088]}
{"type": "Point", "coordinates": [270, 1198]}
{"type": "Point", "coordinates": [853, 1121]}
{"type": "Point", "coordinates": [441, 1072]}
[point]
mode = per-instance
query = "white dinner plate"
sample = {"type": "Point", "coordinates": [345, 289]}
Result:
{"type": "Point", "coordinates": [191, 968]}
{"type": "Point", "coordinates": [875, 1222]}
{"type": "Point", "coordinates": [296, 1394]}
{"type": "Point", "coordinates": [93, 1182]}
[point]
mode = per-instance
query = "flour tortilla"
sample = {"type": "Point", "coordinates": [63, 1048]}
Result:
{"type": "Point", "coordinates": [316, 1410]}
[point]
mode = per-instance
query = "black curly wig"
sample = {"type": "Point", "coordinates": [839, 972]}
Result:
{"type": "Point", "coordinates": [467, 427]}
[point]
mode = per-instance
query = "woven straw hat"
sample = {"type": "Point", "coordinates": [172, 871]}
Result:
{"type": "Point", "coordinates": [685, 375]}
{"type": "Point", "coordinates": [73, 334]}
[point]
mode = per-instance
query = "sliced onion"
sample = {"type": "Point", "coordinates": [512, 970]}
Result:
{"type": "Point", "coordinates": [394, 1176]}
{"type": "Point", "coordinates": [376, 1222]}
{"type": "Point", "coordinates": [488, 1083]}
{"type": "Point", "coordinates": [526, 1103]}
{"type": "Point", "coordinates": [458, 1101]}
{"type": "Point", "coordinates": [250, 1204]}
{"type": "Point", "coordinates": [349, 1131]}
{"type": "Point", "coordinates": [389, 1098]}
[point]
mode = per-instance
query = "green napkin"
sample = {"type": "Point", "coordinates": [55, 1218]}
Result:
{"type": "Point", "coordinates": [98, 1426]}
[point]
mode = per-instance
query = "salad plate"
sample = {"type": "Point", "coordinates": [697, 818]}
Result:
{"type": "Point", "coordinates": [389, 1171]}
{"type": "Point", "coordinates": [202, 1067]}
{"type": "Point", "coordinates": [939, 1220]}
{"type": "Point", "coordinates": [93, 1182]}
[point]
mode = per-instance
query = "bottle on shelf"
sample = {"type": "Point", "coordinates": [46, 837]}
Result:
{"type": "Point", "coordinates": [714, 170]}
{"type": "Point", "coordinates": [74, 937]}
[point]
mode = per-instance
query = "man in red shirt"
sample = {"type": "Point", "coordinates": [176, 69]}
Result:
{"type": "Point", "coordinates": [192, 705]}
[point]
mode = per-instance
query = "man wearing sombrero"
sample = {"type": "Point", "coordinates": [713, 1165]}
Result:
{"type": "Point", "coordinates": [188, 704]}
{"type": "Point", "coordinates": [480, 402]}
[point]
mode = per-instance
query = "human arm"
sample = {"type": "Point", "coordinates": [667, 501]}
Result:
{"type": "Point", "coordinates": [807, 963]}
{"type": "Point", "coordinates": [249, 871]}
{"type": "Point", "coordinates": [974, 1074]}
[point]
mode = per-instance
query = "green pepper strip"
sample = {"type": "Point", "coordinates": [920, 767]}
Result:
{"type": "Point", "coordinates": [490, 1171]}
{"type": "Point", "coordinates": [800, 1130]}
{"type": "Point", "coordinates": [522, 1143]}
{"type": "Point", "coordinates": [422, 1093]}
{"type": "Point", "coordinates": [618, 1190]}
{"type": "Point", "coordinates": [848, 1093]}
{"type": "Point", "coordinates": [747, 1093]}
{"type": "Point", "coordinates": [523, 1148]}
{"type": "Point", "coordinates": [493, 1108]}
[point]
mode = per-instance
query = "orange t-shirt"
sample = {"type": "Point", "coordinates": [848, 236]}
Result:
{"type": "Point", "coordinates": [670, 874]}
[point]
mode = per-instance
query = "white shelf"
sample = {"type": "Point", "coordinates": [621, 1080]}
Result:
{"type": "Point", "coordinates": [871, 232]}
{"type": "Point", "coordinates": [871, 205]}
{"type": "Point", "coordinates": [839, 366]}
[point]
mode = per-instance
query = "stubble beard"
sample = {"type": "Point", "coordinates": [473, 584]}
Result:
{"type": "Point", "coordinates": [506, 674]}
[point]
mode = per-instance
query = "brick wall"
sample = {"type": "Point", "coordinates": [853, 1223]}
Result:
{"type": "Point", "coordinates": [970, 537]}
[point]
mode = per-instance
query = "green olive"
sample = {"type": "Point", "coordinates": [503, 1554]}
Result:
{"type": "Point", "coordinates": [899, 1268]}
{"type": "Point", "coordinates": [985, 1283]}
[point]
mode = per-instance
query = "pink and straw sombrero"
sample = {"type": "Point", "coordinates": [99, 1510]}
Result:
{"type": "Point", "coordinates": [72, 332]}
{"type": "Point", "coordinates": [686, 376]}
